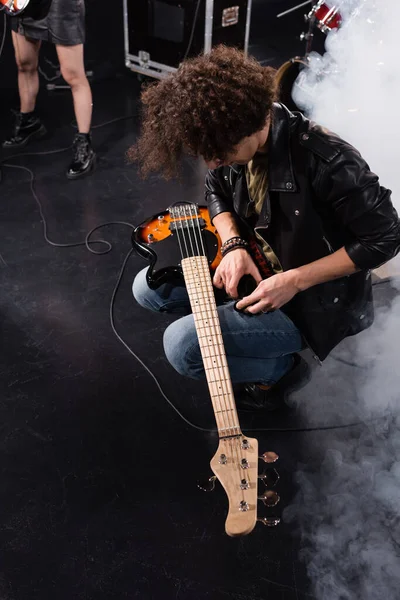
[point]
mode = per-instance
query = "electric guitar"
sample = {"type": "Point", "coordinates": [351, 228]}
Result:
{"type": "Point", "coordinates": [36, 9]}
{"type": "Point", "coordinates": [183, 242]}
{"type": "Point", "coordinates": [13, 7]}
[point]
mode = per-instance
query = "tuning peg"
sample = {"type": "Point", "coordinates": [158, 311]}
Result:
{"type": "Point", "coordinates": [270, 478]}
{"type": "Point", "coordinates": [269, 457]}
{"type": "Point", "coordinates": [270, 498]}
{"type": "Point", "coordinates": [269, 521]}
{"type": "Point", "coordinates": [209, 486]}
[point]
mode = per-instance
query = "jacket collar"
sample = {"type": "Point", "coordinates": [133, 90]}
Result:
{"type": "Point", "coordinates": [280, 168]}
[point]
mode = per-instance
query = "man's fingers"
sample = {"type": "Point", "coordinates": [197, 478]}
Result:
{"type": "Point", "coordinates": [217, 280]}
{"type": "Point", "coordinates": [255, 273]}
{"type": "Point", "coordinates": [232, 285]}
{"type": "Point", "coordinates": [249, 300]}
{"type": "Point", "coordinates": [232, 290]}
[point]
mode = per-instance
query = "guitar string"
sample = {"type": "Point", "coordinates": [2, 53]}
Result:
{"type": "Point", "coordinates": [181, 214]}
{"type": "Point", "coordinates": [87, 244]}
{"type": "Point", "coordinates": [212, 315]}
{"type": "Point", "coordinates": [200, 279]}
{"type": "Point", "coordinates": [234, 443]}
{"type": "Point", "coordinates": [205, 277]}
{"type": "Point", "coordinates": [18, 53]}
{"type": "Point", "coordinates": [223, 366]}
{"type": "Point", "coordinates": [177, 235]}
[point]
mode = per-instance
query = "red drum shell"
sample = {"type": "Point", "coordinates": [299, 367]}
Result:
{"type": "Point", "coordinates": [326, 17]}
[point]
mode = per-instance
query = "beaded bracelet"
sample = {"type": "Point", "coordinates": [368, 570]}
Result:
{"type": "Point", "coordinates": [234, 240]}
{"type": "Point", "coordinates": [235, 247]}
{"type": "Point", "coordinates": [232, 244]}
{"type": "Point", "coordinates": [235, 237]}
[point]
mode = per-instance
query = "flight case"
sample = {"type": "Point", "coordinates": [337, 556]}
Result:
{"type": "Point", "coordinates": [159, 34]}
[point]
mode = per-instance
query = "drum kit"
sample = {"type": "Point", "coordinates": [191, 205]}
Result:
{"type": "Point", "coordinates": [324, 16]}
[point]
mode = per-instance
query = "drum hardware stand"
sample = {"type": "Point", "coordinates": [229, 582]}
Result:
{"type": "Point", "coordinates": [309, 35]}
{"type": "Point", "coordinates": [286, 12]}
{"type": "Point", "coordinates": [304, 36]}
{"type": "Point", "coordinates": [53, 86]}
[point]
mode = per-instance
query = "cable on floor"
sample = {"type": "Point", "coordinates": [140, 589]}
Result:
{"type": "Point", "coordinates": [108, 247]}
{"type": "Point", "coordinates": [179, 413]}
{"type": "Point", "coordinates": [86, 242]}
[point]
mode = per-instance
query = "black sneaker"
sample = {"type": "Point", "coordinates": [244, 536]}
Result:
{"type": "Point", "coordinates": [84, 158]}
{"type": "Point", "coordinates": [27, 127]}
{"type": "Point", "coordinates": [254, 398]}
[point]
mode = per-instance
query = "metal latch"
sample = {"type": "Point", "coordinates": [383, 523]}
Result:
{"type": "Point", "coordinates": [230, 16]}
{"type": "Point", "coordinates": [144, 58]}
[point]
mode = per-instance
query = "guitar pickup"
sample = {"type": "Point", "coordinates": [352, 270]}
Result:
{"type": "Point", "coordinates": [187, 223]}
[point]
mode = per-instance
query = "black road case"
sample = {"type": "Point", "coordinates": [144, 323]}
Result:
{"type": "Point", "coordinates": [159, 34]}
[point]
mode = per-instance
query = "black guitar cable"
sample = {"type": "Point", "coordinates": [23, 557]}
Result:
{"type": "Point", "coordinates": [214, 430]}
{"type": "Point", "coordinates": [108, 247]}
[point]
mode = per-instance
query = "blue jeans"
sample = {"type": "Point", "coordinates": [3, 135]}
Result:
{"type": "Point", "coordinates": [259, 348]}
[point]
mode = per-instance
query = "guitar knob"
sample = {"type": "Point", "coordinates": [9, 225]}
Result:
{"type": "Point", "coordinates": [208, 486]}
{"type": "Point", "coordinates": [270, 478]}
{"type": "Point", "coordinates": [269, 457]}
{"type": "Point", "coordinates": [270, 498]}
{"type": "Point", "coordinates": [269, 521]}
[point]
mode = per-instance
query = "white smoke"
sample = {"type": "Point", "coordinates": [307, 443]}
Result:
{"type": "Point", "coordinates": [354, 88]}
{"type": "Point", "coordinates": [348, 506]}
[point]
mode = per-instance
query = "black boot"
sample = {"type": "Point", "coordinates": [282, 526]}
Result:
{"type": "Point", "coordinates": [254, 398]}
{"type": "Point", "coordinates": [27, 127]}
{"type": "Point", "coordinates": [84, 158]}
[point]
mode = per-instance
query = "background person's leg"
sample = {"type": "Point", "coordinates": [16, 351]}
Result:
{"type": "Point", "coordinates": [73, 71]}
{"type": "Point", "coordinates": [27, 125]}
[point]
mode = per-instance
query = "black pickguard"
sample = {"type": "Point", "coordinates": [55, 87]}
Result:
{"type": "Point", "coordinates": [165, 257]}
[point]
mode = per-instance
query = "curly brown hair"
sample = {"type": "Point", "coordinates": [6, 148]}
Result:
{"type": "Point", "coordinates": [204, 109]}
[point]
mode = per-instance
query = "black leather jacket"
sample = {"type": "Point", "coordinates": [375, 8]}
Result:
{"type": "Point", "coordinates": [322, 196]}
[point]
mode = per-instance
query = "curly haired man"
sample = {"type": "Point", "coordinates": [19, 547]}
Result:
{"type": "Point", "coordinates": [319, 214]}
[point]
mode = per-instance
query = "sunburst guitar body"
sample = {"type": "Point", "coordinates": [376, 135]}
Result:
{"type": "Point", "coordinates": [157, 240]}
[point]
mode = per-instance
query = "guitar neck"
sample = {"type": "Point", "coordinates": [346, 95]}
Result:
{"type": "Point", "coordinates": [202, 301]}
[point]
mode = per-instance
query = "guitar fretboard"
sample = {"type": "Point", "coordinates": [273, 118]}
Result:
{"type": "Point", "coordinates": [201, 295]}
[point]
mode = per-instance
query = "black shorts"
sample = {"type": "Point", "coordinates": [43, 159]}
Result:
{"type": "Point", "coordinates": [64, 24]}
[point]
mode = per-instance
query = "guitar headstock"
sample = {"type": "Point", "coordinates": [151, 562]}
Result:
{"type": "Point", "coordinates": [235, 464]}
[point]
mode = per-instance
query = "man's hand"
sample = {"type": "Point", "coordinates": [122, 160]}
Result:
{"type": "Point", "coordinates": [270, 294]}
{"type": "Point", "coordinates": [232, 268]}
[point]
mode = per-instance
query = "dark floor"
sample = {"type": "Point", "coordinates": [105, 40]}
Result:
{"type": "Point", "coordinates": [98, 477]}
